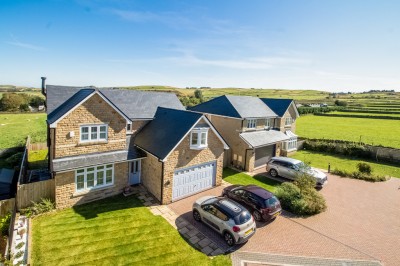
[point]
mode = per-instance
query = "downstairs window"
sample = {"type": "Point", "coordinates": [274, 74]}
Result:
{"type": "Point", "coordinates": [94, 177]}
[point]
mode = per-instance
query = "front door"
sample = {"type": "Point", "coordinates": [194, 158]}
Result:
{"type": "Point", "coordinates": [134, 172]}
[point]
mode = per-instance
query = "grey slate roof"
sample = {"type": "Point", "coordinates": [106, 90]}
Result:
{"type": "Point", "coordinates": [263, 137]}
{"type": "Point", "coordinates": [279, 106]}
{"type": "Point", "coordinates": [80, 161]}
{"type": "Point", "coordinates": [235, 106]}
{"type": "Point", "coordinates": [68, 105]}
{"type": "Point", "coordinates": [133, 103]}
{"type": "Point", "coordinates": [163, 133]}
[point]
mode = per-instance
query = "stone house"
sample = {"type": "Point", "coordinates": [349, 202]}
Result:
{"type": "Point", "coordinates": [254, 130]}
{"type": "Point", "coordinates": [103, 140]}
{"type": "Point", "coordinates": [286, 110]}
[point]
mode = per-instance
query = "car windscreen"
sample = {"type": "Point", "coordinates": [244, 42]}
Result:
{"type": "Point", "coordinates": [242, 218]}
{"type": "Point", "coordinates": [271, 202]}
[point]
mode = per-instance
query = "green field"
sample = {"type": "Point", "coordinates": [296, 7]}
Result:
{"type": "Point", "coordinates": [321, 160]}
{"type": "Point", "coordinates": [365, 114]}
{"type": "Point", "coordinates": [383, 132]}
{"type": "Point", "coordinates": [14, 128]}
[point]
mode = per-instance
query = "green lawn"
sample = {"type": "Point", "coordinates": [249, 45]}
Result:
{"type": "Point", "coordinates": [114, 231]}
{"type": "Point", "coordinates": [321, 160]}
{"type": "Point", "coordinates": [235, 177]}
{"type": "Point", "coordinates": [14, 128]}
{"type": "Point", "coordinates": [37, 159]}
{"type": "Point", "coordinates": [372, 131]}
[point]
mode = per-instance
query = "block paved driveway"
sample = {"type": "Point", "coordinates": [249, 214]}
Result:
{"type": "Point", "coordinates": [362, 222]}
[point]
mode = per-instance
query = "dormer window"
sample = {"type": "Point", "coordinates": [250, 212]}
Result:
{"type": "Point", "coordinates": [92, 133]}
{"type": "Point", "coordinates": [251, 123]}
{"type": "Point", "coordinates": [198, 138]}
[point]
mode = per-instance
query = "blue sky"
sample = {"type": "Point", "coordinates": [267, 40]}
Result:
{"type": "Point", "coordinates": [326, 45]}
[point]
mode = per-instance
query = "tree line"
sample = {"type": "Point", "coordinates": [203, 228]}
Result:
{"type": "Point", "coordinates": [12, 102]}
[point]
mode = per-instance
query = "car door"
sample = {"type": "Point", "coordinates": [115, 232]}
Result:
{"type": "Point", "coordinates": [285, 170]}
{"type": "Point", "coordinates": [237, 195]}
{"type": "Point", "coordinates": [211, 217]}
{"type": "Point", "coordinates": [252, 201]}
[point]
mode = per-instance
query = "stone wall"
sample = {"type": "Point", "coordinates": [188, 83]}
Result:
{"type": "Point", "coordinates": [66, 195]}
{"type": "Point", "coordinates": [229, 129]}
{"type": "Point", "coordinates": [183, 157]}
{"type": "Point", "coordinates": [151, 175]}
{"type": "Point", "coordinates": [94, 111]}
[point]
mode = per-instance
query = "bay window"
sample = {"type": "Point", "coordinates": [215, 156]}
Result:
{"type": "Point", "coordinates": [251, 123]}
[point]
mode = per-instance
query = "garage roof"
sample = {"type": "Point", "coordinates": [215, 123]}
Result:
{"type": "Point", "coordinates": [263, 137]}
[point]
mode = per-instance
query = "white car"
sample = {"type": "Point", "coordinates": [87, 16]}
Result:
{"type": "Point", "coordinates": [233, 221]}
{"type": "Point", "coordinates": [291, 168]}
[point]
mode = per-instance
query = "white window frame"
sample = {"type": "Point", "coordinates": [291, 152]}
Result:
{"type": "Point", "coordinates": [289, 121]}
{"type": "Point", "coordinates": [290, 145]}
{"type": "Point", "coordinates": [95, 171]}
{"type": "Point", "coordinates": [202, 134]}
{"type": "Point", "coordinates": [251, 123]}
{"type": "Point", "coordinates": [268, 123]}
{"type": "Point", "coordinates": [90, 139]}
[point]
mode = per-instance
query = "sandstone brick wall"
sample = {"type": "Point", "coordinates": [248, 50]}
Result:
{"type": "Point", "coordinates": [151, 175]}
{"type": "Point", "coordinates": [94, 111]}
{"type": "Point", "coordinates": [66, 195]}
{"type": "Point", "coordinates": [229, 129]}
{"type": "Point", "coordinates": [281, 124]}
{"type": "Point", "coordinates": [183, 157]}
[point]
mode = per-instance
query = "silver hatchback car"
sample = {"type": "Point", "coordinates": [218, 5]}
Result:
{"type": "Point", "coordinates": [233, 221]}
{"type": "Point", "coordinates": [292, 168]}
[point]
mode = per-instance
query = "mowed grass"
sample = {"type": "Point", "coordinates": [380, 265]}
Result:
{"type": "Point", "coordinates": [321, 160]}
{"type": "Point", "coordinates": [14, 128]}
{"type": "Point", "coordinates": [383, 132]}
{"type": "Point", "coordinates": [114, 231]}
{"type": "Point", "coordinates": [239, 178]}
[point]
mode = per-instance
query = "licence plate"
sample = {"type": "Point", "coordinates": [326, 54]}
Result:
{"type": "Point", "coordinates": [276, 214]}
{"type": "Point", "coordinates": [248, 232]}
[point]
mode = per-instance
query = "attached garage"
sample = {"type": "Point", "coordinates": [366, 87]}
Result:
{"type": "Point", "coordinates": [263, 154]}
{"type": "Point", "coordinates": [191, 180]}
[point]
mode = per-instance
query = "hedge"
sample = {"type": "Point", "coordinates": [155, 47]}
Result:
{"type": "Point", "coordinates": [359, 116]}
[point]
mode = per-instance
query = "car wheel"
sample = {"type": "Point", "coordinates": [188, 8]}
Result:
{"type": "Point", "coordinates": [196, 216]}
{"type": "Point", "coordinates": [257, 215]}
{"type": "Point", "coordinates": [229, 239]}
{"type": "Point", "coordinates": [273, 173]}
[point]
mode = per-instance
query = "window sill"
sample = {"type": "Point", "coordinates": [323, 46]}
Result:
{"type": "Point", "coordinates": [92, 143]}
{"type": "Point", "coordinates": [87, 191]}
{"type": "Point", "coordinates": [198, 147]}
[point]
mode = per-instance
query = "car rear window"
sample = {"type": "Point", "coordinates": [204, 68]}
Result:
{"type": "Point", "coordinates": [271, 201]}
{"type": "Point", "coordinates": [242, 218]}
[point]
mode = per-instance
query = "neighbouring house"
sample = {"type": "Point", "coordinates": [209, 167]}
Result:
{"type": "Point", "coordinates": [249, 126]}
{"type": "Point", "coordinates": [103, 140]}
{"type": "Point", "coordinates": [286, 110]}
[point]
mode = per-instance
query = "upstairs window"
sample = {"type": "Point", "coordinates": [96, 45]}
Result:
{"type": "Point", "coordinates": [267, 123]}
{"type": "Point", "coordinates": [93, 133]}
{"type": "Point", "coordinates": [289, 121]}
{"type": "Point", "coordinates": [198, 138]}
{"type": "Point", "coordinates": [251, 123]}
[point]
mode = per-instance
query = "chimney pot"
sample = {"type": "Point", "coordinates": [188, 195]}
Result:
{"type": "Point", "coordinates": [43, 85]}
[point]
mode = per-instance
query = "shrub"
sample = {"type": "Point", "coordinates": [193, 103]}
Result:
{"type": "Point", "coordinates": [5, 224]}
{"type": "Point", "coordinates": [364, 168]}
{"type": "Point", "coordinates": [359, 175]}
{"type": "Point", "coordinates": [44, 205]}
{"type": "Point", "coordinates": [305, 201]}
{"type": "Point", "coordinates": [305, 183]}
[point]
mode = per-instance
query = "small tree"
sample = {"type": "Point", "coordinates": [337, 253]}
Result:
{"type": "Point", "coordinates": [364, 168]}
{"type": "Point", "coordinates": [199, 95]}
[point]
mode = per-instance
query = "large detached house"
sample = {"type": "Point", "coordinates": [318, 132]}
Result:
{"type": "Point", "coordinates": [103, 140]}
{"type": "Point", "coordinates": [253, 129]}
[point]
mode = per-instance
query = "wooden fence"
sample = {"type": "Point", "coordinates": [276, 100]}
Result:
{"type": "Point", "coordinates": [34, 192]}
{"type": "Point", "coordinates": [6, 206]}
{"type": "Point", "coordinates": [37, 146]}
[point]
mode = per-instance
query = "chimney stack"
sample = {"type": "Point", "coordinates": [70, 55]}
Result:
{"type": "Point", "coordinates": [43, 85]}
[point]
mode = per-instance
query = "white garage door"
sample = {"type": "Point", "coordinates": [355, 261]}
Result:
{"type": "Point", "coordinates": [191, 180]}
